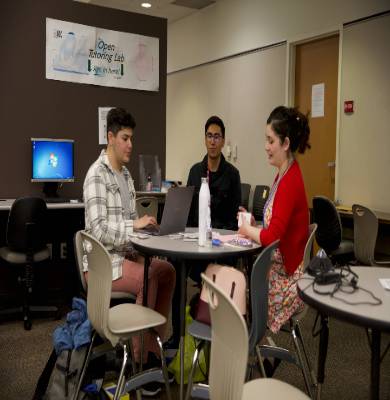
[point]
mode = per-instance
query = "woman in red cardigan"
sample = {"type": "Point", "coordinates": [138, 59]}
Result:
{"type": "Point", "coordinates": [286, 213]}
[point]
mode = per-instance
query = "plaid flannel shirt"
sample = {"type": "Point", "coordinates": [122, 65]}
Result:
{"type": "Point", "coordinates": [104, 217]}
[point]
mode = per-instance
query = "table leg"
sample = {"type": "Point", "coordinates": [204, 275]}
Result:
{"type": "Point", "coordinates": [146, 280]}
{"type": "Point", "coordinates": [144, 301]}
{"type": "Point", "coordinates": [375, 364]}
{"type": "Point", "coordinates": [183, 297]}
{"type": "Point", "coordinates": [323, 350]}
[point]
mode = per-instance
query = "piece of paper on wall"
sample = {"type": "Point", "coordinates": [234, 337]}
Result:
{"type": "Point", "coordinates": [102, 113]}
{"type": "Point", "coordinates": [317, 100]}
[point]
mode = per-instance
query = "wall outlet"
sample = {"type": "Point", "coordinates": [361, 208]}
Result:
{"type": "Point", "coordinates": [63, 251]}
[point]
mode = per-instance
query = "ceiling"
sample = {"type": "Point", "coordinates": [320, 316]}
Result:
{"type": "Point", "coordinates": [172, 10]}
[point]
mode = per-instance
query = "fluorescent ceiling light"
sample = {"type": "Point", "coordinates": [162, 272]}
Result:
{"type": "Point", "coordinates": [146, 5]}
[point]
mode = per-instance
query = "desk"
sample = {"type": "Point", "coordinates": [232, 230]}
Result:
{"type": "Point", "coordinates": [181, 251]}
{"type": "Point", "coordinates": [369, 316]}
{"type": "Point", "coordinates": [5, 204]}
{"type": "Point", "coordinates": [346, 211]}
{"type": "Point", "coordinates": [64, 219]}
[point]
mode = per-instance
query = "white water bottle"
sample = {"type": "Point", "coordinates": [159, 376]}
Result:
{"type": "Point", "coordinates": [204, 212]}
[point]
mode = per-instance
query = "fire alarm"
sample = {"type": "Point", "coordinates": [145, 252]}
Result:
{"type": "Point", "coordinates": [348, 106]}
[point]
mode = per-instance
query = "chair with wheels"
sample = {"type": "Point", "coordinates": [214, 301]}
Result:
{"type": "Point", "coordinates": [118, 324]}
{"type": "Point", "coordinates": [260, 197]}
{"type": "Point", "coordinates": [147, 205]}
{"type": "Point", "coordinates": [26, 246]}
{"type": "Point", "coordinates": [229, 355]}
{"type": "Point", "coordinates": [365, 232]}
{"type": "Point", "coordinates": [245, 191]}
{"type": "Point", "coordinates": [294, 329]}
{"type": "Point", "coordinates": [259, 303]}
{"type": "Point", "coordinates": [329, 232]}
{"type": "Point", "coordinates": [79, 253]}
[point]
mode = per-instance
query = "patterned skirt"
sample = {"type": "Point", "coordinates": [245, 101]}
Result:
{"type": "Point", "coordinates": [283, 299]}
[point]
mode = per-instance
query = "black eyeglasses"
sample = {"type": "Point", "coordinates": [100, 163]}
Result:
{"type": "Point", "coordinates": [217, 137]}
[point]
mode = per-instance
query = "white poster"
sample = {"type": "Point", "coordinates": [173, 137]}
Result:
{"type": "Point", "coordinates": [102, 115]}
{"type": "Point", "coordinates": [84, 54]}
{"type": "Point", "coordinates": [317, 100]}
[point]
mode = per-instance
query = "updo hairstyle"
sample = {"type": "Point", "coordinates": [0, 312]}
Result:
{"type": "Point", "coordinates": [289, 122]}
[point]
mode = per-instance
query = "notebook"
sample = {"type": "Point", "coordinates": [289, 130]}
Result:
{"type": "Point", "coordinates": [177, 207]}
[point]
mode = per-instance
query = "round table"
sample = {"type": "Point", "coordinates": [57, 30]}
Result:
{"type": "Point", "coordinates": [182, 251]}
{"type": "Point", "coordinates": [359, 312]}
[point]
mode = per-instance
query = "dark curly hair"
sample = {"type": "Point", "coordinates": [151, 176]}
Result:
{"type": "Point", "coordinates": [119, 118]}
{"type": "Point", "coordinates": [291, 123]}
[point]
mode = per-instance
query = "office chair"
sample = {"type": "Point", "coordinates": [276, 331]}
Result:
{"type": "Point", "coordinates": [26, 245]}
{"type": "Point", "coordinates": [229, 355]}
{"type": "Point", "coordinates": [365, 232]}
{"type": "Point", "coordinates": [118, 324]}
{"type": "Point", "coordinates": [245, 191]}
{"type": "Point", "coordinates": [294, 329]}
{"type": "Point", "coordinates": [79, 252]}
{"type": "Point", "coordinates": [147, 205]}
{"type": "Point", "coordinates": [329, 231]}
{"type": "Point", "coordinates": [259, 303]}
{"type": "Point", "coordinates": [260, 197]}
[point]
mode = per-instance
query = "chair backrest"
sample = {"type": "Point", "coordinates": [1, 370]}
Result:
{"type": "Point", "coordinates": [309, 246]}
{"type": "Point", "coordinates": [329, 230]}
{"type": "Point", "coordinates": [365, 232]}
{"type": "Point", "coordinates": [79, 253]}
{"type": "Point", "coordinates": [245, 191]}
{"type": "Point", "coordinates": [259, 294]}
{"type": "Point", "coordinates": [147, 205]}
{"type": "Point", "coordinates": [27, 223]}
{"type": "Point", "coordinates": [229, 349]}
{"type": "Point", "coordinates": [260, 197]}
{"type": "Point", "coordinates": [99, 285]}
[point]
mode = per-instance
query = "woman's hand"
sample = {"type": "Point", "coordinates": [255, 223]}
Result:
{"type": "Point", "coordinates": [243, 209]}
{"type": "Point", "coordinates": [250, 231]}
{"type": "Point", "coordinates": [144, 221]}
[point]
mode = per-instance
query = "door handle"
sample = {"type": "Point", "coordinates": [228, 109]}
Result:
{"type": "Point", "coordinates": [331, 164]}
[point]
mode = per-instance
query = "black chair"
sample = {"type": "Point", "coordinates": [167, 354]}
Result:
{"type": "Point", "coordinates": [259, 199]}
{"type": "Point", "coordinates": [26, 245]}
{"type": "Point", "coordinates": [245, 191]}
{"type": "Point", "coordinates": [329, 232]}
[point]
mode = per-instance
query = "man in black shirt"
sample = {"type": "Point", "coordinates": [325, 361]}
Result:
{"type": "Point", "coordinates": [223, 177]}
{"type": "Point", "coordinates": [225, 191]}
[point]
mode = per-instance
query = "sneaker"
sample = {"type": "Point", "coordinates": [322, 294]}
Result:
{"type": "Point", "coordinates": [151, 389]}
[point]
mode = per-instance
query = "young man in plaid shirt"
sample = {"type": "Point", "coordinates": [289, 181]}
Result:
{"type": "Point", "coordinates": [111, 216]}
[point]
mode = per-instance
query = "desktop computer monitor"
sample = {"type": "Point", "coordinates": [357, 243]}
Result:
{"type": "Point", "coordinates": [52, 162]}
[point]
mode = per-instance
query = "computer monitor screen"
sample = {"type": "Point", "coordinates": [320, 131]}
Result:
{"type": "Point", "coordinates": [52, 160]}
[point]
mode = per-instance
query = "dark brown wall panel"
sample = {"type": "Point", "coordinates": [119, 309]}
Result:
{"type": "Point", "coordinates": [33, 106]}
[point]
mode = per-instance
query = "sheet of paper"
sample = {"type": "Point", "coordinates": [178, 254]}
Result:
{"type": "Point", "coordinates": [317, 100]}
{"type": "Point", "coordinates": [102, 115]}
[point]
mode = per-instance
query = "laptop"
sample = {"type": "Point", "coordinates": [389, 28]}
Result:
{"type": "Point", "coordinates": [176, 209]}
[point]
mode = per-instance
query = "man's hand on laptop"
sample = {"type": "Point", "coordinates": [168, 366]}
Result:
{"type": "Point", "coordinates": [140, 223]}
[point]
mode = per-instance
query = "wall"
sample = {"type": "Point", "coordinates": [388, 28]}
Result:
{"type": "Point", "coordinates": [31, 106]}
{"type": "Point", "coordinates": [242, 91]}
{"type": "Point", "coordinates": [364, 145]}
{"type": "Point", "coordinates": [233, 26]}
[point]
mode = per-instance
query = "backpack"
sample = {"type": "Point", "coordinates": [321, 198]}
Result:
{"type": "Point", "coordinates": [66, 374]}
{"type": "Point", "coordinates": [231, 281]}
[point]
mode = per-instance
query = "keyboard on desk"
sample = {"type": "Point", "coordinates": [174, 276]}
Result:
{"type": "Point", "coordinates": [56, 200]}
{"type": "Point", "coordinates": [150, 229]}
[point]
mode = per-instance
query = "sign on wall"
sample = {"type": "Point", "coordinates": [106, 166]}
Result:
{"type": "Point", "coordinates": [84, 54]}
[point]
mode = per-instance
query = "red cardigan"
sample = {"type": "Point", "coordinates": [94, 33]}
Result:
{"type": "Point", "coordinates": [290, 219]}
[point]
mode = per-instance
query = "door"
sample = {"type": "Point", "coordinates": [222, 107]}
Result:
{"type": "Point", "coordinates": [317, 62]}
